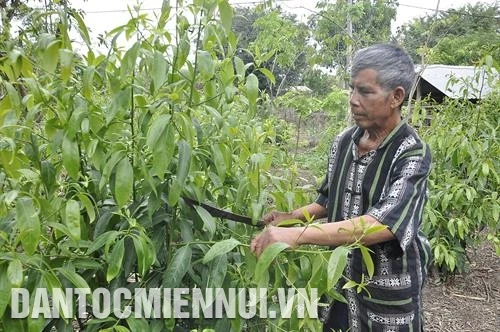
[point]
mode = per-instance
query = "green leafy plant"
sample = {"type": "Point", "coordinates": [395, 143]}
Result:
{"type": "Point", "coordinates": [464, 181]}
{"type": "Point", "coordinates": [97, 152]}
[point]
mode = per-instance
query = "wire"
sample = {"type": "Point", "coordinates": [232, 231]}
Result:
{"type": "Point", "coordinates": [290, 7]}
{"type": "Point", "coordinates": [447, 10]}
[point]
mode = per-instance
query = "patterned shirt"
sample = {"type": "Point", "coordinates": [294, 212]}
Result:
{"type": "Point", "coordinates": [389, 184]}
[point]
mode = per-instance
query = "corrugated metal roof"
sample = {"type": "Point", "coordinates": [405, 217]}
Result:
{"type": "Point", "coordinates": [458, 81]}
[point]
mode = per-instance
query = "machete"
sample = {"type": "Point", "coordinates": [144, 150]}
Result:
{"type": "Point", "coordinates": [219, 213]}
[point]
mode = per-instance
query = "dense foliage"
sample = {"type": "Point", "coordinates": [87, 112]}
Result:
{"type": "Point", "coordinates": [274, 41]}
{"type": "Point", "coordinates": [370, 22]}
{"type": "Point", "coordinates": [98, 151]}
{"type": "Point", "coordinates": [455, 37]}
{"type": "Point", "coordinates": [464, 182]}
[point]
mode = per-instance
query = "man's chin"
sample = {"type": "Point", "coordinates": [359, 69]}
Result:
{"type": "Point", "coordinates": [360, 121]}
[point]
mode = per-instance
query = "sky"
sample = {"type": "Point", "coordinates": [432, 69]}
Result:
{"type": "Point", "coordinates": [104, 15]}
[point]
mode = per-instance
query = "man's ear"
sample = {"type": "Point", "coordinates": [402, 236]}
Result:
{"type": "Point", "coordinates": [398, 96]}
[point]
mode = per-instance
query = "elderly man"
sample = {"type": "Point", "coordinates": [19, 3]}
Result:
{"type": "Point", "coordinates": [377, 175]}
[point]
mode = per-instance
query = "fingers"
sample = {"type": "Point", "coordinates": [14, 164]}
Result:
{"type": "Point", "coordinates": [275, 234]}
{"type": "Point", "coordinates": [274, 217]}
{"type": "Point", "coordinates": [270, 217]}
{"type": "Point", "coordinates": [256, 245]}
{"type": "Point", "coordinates": [261, 241]}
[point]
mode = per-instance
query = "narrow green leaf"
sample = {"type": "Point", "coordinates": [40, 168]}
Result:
{"type": "Point", "coordinates": [115, 260]}
{"type": "Point", "coordinates": [182, 51]}
{"type": "Point", "coordinates": [184, 161]}
{"type": "Point", "coordinates": [73, 277]}
{"type": "Point", "coordinates": [48, 175]}
{"type": "Point", "coordinates": [206, 65]}
{"type": "Point", "coordinates": [350, 284]}
{"type": "Point", "coordinates": [178, 267]}
{"type": "Point", "coordinates": [128, 62]}
{"type": "Point", "coordinates": [174, 192]}
{"type": "Point", "coordinates": [367, 259]}
{"type": "Point", "coordinates": [82, 27]}
{"type": "Point", "coordinates": [374, 229]}
{"type": "Point", "coordinates": [88, 264]}
{"type": "Point", "coordinates": [139, 252]}
{"type": "Point", "coordinates": [227, 72]}
{"type": "Point", "coordinates": [15, 324]}
{"type": "Point", "coordinates": [119, 104]}
{"type": "Point", "coordinates": [28, 224]}
{"type": "Point", "coordinates": [336, 265]}
{"type": "Point", "coordinates": [159, 70]}
{"type": "Point", "coordinates": [73, 219]}
{"type": "Point", "coordinates": [138, 324]}
{"type": "Point", "coordinates": [219, 160]}
{"type": "Point", "coordinates": [26, 67]}
{"type": "Point", "coordinates": [252, 89]}
{"type": "Point", "coordinates": [10, 196]}
{"type": "Point", "coordinates": [290, 222]}
{"type": "Point", "coordinates": [145, 253]}
{"type": "Point", "coordinates": [161, 161]}
{"type": "Point", "coordinates": [124, 182]}
{"type": "Point", "coordinates": [120, 328]}
{"type": "Point", "coordinates": [87, 80]}
{"type": "Point", "coordinates": [13, 94]}
{"type": "Point", "coordinates": [50, 279]}
{"type": "Point", "coordinates": [49, 58]}
{"type": "Point", "coordinates": [71, 156]}
{"type": "Point", "coordinates": [215, 116]}
{"type": "Point", "coordinates": [220, 248]}
{"type": "Point", "coordinates": [108, 168]}
{"type": "Point", "coordinates": [5, 288]}
{"type": "Point", "coordinates": [266, 258]}
{"type": "Point", "coordinates": [89, 207]}
{"type": "Point", "coordinates": [15, 272]}
{"type": "Point", "coordinates": [164, 151]}
{"type": "Point", "coordinates": [218, 271]}
{"type": "Point", "coordinates": [185, 124]}
{"type": "Point", "coordinates": [226, 15]}
{"type": "Point", "coordinates": [164, 17]}
{"type": "Point", "coordinates": [208, 220]}
{"type": "Point", "coordinates": [101, 240]}
{"type": "Point", "coordinates": [268, 74]}
{"type": "Point", "coordinates": [66, 61]}
{"type": "Point", "coordinates": [156, 131]}
{"type": "Point", "coordinates": [485, 169]}
{"type": "Point", "coordinates": [239, 66]}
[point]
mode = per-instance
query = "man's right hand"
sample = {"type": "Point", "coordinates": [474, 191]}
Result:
{"type": "Point", "coordinates": [274, 217]}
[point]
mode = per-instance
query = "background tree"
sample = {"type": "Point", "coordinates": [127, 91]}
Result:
{"type": "Point", "coordinates": [319, 81]}
{"type": "Point", "coordinates": [277, 43]}
{"type": "Point", "coordinates": [455, 37]}
{"type": "Point", "coordinates": [371, 23]}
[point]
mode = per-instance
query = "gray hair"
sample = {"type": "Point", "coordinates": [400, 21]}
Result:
{"type": "Point", "coordinates": [393, 65]}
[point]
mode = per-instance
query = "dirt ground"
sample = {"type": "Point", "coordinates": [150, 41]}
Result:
{"type": "Point", "coordinates": [466, 302]}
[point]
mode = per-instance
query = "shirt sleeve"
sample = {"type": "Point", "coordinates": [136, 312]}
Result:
{"type": "Point", "coordinates": [402, 203]}
{"type": "Point", "coordinates": [322, 198]}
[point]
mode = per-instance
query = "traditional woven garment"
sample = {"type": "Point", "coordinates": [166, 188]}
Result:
{"type": "Point", "coordinates": [390, 184]}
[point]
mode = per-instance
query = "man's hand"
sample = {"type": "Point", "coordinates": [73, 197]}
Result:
{"type": "Point", "coordinates": [274, 234]}
{"type": "Point", "coordinates": [274, 217]}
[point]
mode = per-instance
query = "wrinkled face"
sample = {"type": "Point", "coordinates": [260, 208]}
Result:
{"type": "Point", "coordinates": [372, 106]}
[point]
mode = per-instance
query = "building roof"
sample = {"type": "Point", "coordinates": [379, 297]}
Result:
{"type": "Point", "coordinates": [458, 81]}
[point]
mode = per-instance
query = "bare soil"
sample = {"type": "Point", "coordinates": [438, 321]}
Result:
{"type": "Point", "coordinates": [468, 301]}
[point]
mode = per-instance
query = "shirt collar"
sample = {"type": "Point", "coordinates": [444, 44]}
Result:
{"type": "Point", "coordinates": [356, 135]}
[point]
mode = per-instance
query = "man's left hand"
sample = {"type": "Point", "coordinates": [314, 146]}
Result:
{"type": "Point", "coordinates": [274, 234]}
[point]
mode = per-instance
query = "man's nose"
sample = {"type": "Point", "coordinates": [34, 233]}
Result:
{"type": "Point", "coordinates": [353, 99]}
